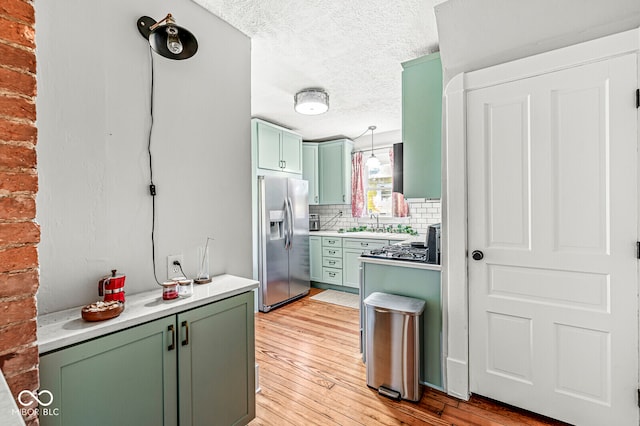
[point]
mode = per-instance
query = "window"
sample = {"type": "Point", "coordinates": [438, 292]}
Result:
{"type": "Point", "coordinates": [378, 184]}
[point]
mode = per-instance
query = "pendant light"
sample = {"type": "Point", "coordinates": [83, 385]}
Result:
{"type": "Point", "coordinates": [372, 162]}
{"type": "Point", "coordinates": [167, 39]}
{"type": "Point", "coordinates": [311, 101]}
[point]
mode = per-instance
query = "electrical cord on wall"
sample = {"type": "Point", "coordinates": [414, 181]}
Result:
{"type": "Point", "coordinates": [152, 187]}
{"type": "Point", "coordinates": [333, 220]}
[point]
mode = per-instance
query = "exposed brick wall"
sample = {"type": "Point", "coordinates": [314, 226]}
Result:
{"type": "Point", "coordinates": [19, 233]}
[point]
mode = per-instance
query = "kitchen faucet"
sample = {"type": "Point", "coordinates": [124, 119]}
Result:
{"type": "Point", "coordinates": [377, 218]}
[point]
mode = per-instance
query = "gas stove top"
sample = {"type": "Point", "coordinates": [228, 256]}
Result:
{"type": "Point", "coordinates": [400, 252]}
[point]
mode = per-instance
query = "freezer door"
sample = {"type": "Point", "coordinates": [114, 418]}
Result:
{"type": "Point", "coordinates": [273, 263]}
{"type": "Point", "coordinates": [299, 248]}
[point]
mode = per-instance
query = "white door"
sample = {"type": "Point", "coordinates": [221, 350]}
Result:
{"type": "Point", "coordinates": [553, 202]}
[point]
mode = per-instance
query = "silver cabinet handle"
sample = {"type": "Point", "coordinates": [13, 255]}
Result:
{"type": "Point", "coordinates": [364, 244]}
{"type": "Point", "coordinates": [332, 274]}
{"type": "Point", "coordinates": [332, 262]}
{"type": "Point", "coordinates": [316, 198]}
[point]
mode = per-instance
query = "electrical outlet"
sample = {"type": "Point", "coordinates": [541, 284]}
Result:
{"type": "Point", "coordinates": [174, 270]}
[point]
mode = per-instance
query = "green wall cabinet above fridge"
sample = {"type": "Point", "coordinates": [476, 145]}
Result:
{"type": "Point", "coordinates": [422, 126]}
{"type": "Point", "coordinates": [278, 148]}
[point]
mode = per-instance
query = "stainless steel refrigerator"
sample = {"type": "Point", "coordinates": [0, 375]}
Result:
{"type": "Point", "coordinates": [283, 248]}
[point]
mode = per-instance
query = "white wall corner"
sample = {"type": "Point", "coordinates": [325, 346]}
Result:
{"type": "Point", "coordinates": [454, 241]}
{"type": "Point", "coordinates": [458, 378]}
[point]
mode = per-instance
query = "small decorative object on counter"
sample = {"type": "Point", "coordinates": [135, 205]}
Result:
{"type": "Point", "coordinates": [169, 290]}
{"type": "Point", "coordinates": [100, 311]}
{"type": "Point", "coordinates": [185, 288]}
{"type": "Point", "coordinates": [203, 276]}
{"type": "Point", "coordinates": [112, 287]}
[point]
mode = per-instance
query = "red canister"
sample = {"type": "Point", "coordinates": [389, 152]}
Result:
{"type": "Point", "coordinates": [112, 287]}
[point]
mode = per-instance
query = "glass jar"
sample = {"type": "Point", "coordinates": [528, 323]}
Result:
{"type": "Point", "coordinates": [169, 290]}
{"type": "Point", "coordinates": [185, 288]}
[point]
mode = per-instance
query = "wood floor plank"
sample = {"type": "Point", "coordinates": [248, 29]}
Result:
{"type": "Point", "coordinates": [311, 373]}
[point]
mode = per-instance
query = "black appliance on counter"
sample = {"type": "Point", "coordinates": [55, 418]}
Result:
{"type": "Point", "coordinates": [433, 243]}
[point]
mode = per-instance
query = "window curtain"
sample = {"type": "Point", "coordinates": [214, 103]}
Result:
{"type": "Point", "coordinates": [357, 185]}
{"type": "Point", "coordinates": [399, 205]}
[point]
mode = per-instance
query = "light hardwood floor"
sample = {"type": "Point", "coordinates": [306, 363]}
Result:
{"type": "Point", "coordinates": [311, 373]}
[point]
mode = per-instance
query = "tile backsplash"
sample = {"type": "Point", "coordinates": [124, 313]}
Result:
{"type": "Point", "coordinates": [422, 213]}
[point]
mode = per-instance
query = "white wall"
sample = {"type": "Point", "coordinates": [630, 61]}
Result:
{"type": "Point", "coordinates": [93, 204]}
{"type": "Point", "coordinates": [477, 34]}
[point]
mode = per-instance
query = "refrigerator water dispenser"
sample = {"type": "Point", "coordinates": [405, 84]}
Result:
{"type": "Point", "coordinates": [276, 224]}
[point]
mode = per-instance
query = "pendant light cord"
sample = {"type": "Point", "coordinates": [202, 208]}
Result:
{"type": "Point", "coordinates": [152, 187]}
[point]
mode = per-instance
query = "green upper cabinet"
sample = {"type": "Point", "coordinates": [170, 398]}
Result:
{"type": "Point", "coordinates": [334, 165]}
{"type": "Point", "coordinates": [278, 148]}
{"type": "Point", "coordinates": [310, 170]}
{"type": "Point", "coordinates": [421, 126]}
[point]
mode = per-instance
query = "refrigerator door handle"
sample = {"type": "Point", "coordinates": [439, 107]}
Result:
{"type": "Point", "coordinates": [286, 225]}
{"type": "Point", "coordinates": [290, 221]}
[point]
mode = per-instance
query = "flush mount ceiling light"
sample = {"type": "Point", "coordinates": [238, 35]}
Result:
{"type": "Point", "coordinates": [311, 101]}
{"type": "Point", "coordinates": [372, 162]}
{"type": "Point", "coordinates": [167, 39]}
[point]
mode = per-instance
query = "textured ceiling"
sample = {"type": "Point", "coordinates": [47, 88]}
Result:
{"type": "Point", "coordinates": [352, 49]}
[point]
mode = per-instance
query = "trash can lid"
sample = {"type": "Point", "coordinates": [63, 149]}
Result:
{"type": "Point", "coordinates": [395, 303]}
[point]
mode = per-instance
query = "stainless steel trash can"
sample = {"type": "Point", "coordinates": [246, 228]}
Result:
{"type": "Point", "coordinates": [392, 342]}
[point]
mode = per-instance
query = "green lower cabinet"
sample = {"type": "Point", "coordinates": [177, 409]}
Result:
{"type": "Point", "coordinates": [126, 378]}
{"type": "Point", "coordinates": [315, 258]}
{"type": "Point", "coordinates": [422, 284]}
{"type": "Point", "coordinates": [193, 368]}
{"type": "Point", "coordinates": [352, 250]}
{"type": "Point", "coordinates": [351, 268]}
{"type": "Point", "coordinates": [217, 363]}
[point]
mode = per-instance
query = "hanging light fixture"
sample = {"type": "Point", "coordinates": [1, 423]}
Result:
{"type": "Point", "coordinates": [167, 39]}
{"type": "Point", "coordinates": [372, 162]}
{"type": "Point", "coordinates": [311, 101]}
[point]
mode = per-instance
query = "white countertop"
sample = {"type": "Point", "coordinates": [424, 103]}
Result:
{"type": "Point", "coordinates": [403, 263]}
{"type": "Point", "coordinates": [9, 412]}
{"type": "Point", "coordinates": [364, 235]}
{"type": "Point", "coordinates": [67, 327]}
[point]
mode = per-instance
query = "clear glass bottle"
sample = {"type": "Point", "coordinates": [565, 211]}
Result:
{"type": "Point", "coordinates": [185, 288]}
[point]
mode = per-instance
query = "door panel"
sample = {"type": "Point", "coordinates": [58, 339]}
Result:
{"type": "Point", "coordinates": [552, 178]}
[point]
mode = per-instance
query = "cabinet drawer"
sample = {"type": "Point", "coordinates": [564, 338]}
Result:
{"type": "Point", "coordinates": [332, 262]}
{"type": "Point", "coordinates": [364, 244]}
{"type": "Point", "coordinates": [331, 252]}
{"type": "Point", "coordinates": [332, 276]}
{"type": "Point", "coordinates": [331, 242]}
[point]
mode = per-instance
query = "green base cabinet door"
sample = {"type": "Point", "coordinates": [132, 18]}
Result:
{"type": "Point", "coordinates": [315, 258]}
{"type": "Point", "coordinates": [422, 126]}
{"type": "Point", "coordinates": [126, 378]}
{"type": "Point", "coordinates": [217, 363]}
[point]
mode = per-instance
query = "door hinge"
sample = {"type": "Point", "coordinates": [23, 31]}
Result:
{"type": "Point", "coordinates": [637, 98]}
{"type": "Point", "coordinates": [638, 256]}
{"type": "Point", "coordinates": [638, 397]}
